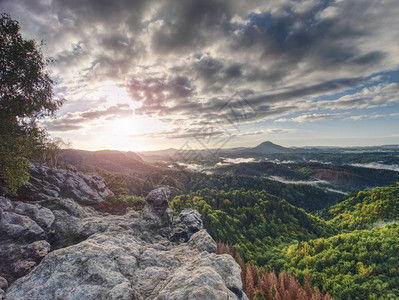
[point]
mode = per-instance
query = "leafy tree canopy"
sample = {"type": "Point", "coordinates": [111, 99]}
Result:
{"type": "Point", "coordinates": [26, 96]}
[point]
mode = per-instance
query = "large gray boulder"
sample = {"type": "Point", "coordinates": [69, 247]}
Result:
{"type": "Point", "coordinates": [187, 223]}
{"type": "Point", "coordinates": [24, 229]}
{"type": "Point", "coordinates": [28, 230]}
{"type": "Point", "coordinates": [55, 248]}
{"type": "Point", "coordinates": [123, 266]}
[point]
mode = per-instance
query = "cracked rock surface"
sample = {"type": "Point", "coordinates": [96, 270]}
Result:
{"type": "Point", "coordinates": [55, 248]}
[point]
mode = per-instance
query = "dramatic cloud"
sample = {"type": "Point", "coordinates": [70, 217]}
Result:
{"type": "Point", "coordinates": [217, 64]}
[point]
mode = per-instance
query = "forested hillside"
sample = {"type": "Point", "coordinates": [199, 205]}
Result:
{"type": "Point", "coordinates": [251, 220]}
{"type": "Point", "coordinates": [343, 177]}
{"type": "Point", "coordinates": [180, 182]}
{"type": "Point", "coordinates": [299, 233]}
{"type": "Point", "coordinates": [357, 265]}
{"type": "Point", "coordinates": [366, 209]}
{"type": "Point", "coordinates": [277, 236]}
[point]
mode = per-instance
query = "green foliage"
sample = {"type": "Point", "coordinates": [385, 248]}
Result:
{"type": "Point", "coordinates": [251, 220]}
{"type": "Point", "coordinates": [120, 201]}
{"type": "Point", "coordinates": [26, 95]}
{"type": "Point", "coordinates": [270, 232]}
{"type": "Point", "coordinates": [25, 84]}
{"type": "Point", "coordinates": [14, 168]}
{"type": "Point", "coordinates": [119, 205]}
{"type": "Point", "coordinates": [115, 182]}
{"type": "Point", "coordinates": [357, 265]}
{"type": "Point", "coordinates": [259, 284]}
{"type": "Point", "coordinates": [366, 208]}
{"type": "Point", "coordinates": [307, 197]}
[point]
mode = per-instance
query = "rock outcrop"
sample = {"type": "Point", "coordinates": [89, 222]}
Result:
{"type": "Point", "coordinates": [55, 248]}
{"type": "Point", "coordinates": [47, 183]}
{"type": "Point", "coordinates": [22, 240]}
{"type": "Point", "coordinates": [157, 207]}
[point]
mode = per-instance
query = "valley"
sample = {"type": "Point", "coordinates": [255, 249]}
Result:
{"type": "Point", "coordinates": [327, 215]}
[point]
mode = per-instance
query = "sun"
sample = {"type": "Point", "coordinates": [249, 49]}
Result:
{"type": "Point", "coordinates": [124, 127]}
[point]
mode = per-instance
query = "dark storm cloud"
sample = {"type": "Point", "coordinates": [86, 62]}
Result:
{"type": "Point", "coordinates": [188, 24]}
{"type": "Point", "coordinates": [102, 12]}
{"type": "Point", "coordinates": [292, 38]}
{"type": "Point", "coordinates": [240, 109]}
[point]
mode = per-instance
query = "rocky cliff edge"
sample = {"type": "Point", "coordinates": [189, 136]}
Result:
{"type": "Point", "coordinates": [52, 246]}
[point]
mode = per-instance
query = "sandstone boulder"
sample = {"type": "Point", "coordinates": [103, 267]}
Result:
{"type": "Point", "coordinates": [55, 248]}
{"type": "Point", "coordinates": [123, 266]}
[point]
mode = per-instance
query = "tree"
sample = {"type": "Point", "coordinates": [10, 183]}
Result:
{"type": "Point", "coordinates": [26, 96]}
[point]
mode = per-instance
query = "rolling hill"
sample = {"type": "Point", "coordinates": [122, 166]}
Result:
{"type": "Point", "coordinates": [109, 160]}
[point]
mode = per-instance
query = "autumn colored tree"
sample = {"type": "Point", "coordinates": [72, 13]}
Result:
{"type": "Point", "coordinates": [262, 285]}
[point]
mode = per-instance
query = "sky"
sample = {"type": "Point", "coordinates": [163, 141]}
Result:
{"type": "Point", "coordinates": [148, 75]}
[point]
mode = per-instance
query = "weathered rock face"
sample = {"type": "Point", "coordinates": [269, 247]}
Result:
{"type": "Point", "coordinates": [23, 230]}
{"type": "Point", "coordinates": [84, 189]}
{"type": "Point", "coordinates": [91, 255]}
{"type": "Point", "coordinates": [123, 266]}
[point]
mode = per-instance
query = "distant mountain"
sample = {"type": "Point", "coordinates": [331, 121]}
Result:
{"type": "Point", "coordinates": [109, 160]}
{"type": "Point", "coordinates": [269, 147]}
{"type": "Point", "coordinates": [260, 150]}
{"type": "Point", "coordinates": [263, 148]}
{"type": "Point", "coordinates": [158, 155]}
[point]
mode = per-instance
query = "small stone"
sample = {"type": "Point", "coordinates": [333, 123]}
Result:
{"type": "Point", "coordinates": [39, 249]}
{"type": "Point", "coordinates": [202, 241]}
{"type": "Point", "coordinates": [5, 204]}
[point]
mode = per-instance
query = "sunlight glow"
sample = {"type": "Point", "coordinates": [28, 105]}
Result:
{"type": "Point", "coordinates": [113, 93]}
